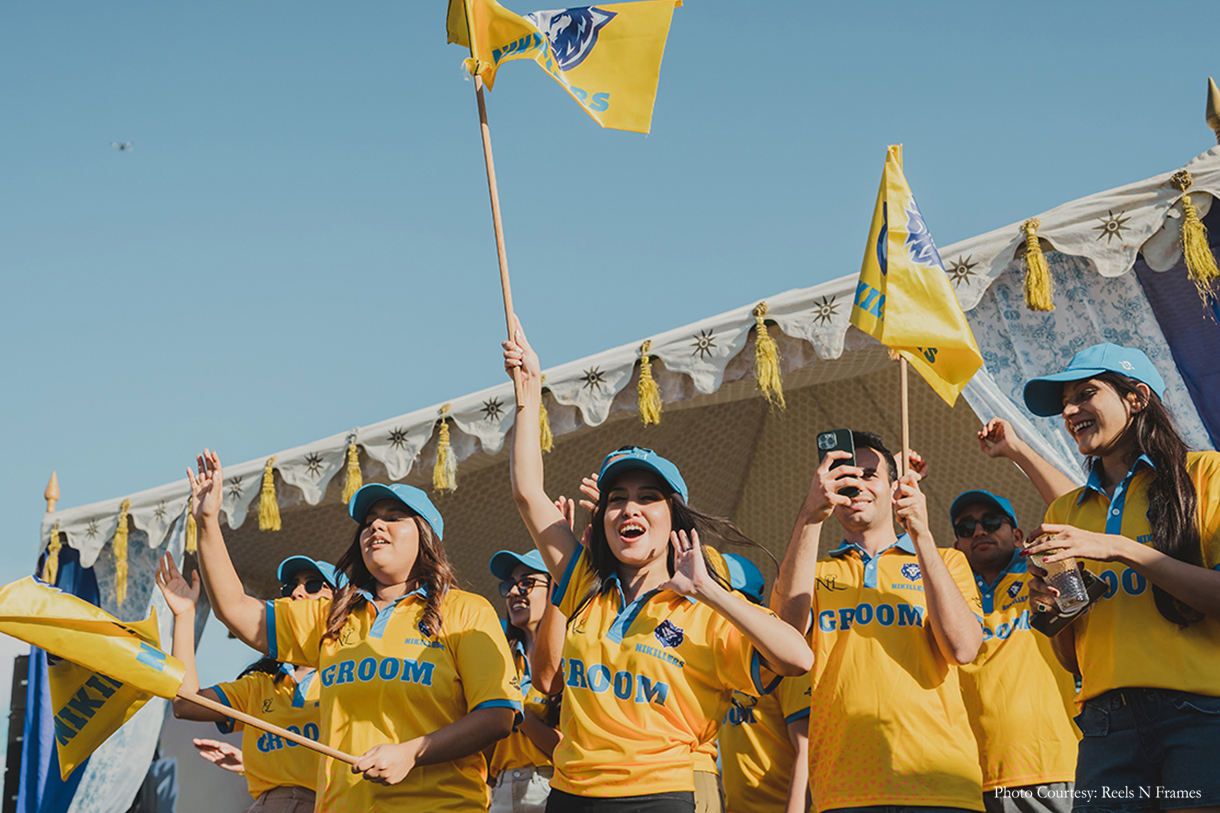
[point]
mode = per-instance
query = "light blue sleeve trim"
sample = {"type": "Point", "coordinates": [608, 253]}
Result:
{"type": "Point", "coordinates": [272, 645]}
{"type": "Point", "coordinates": [796, 715]}
{"type": "Point", "coordinates": [756, 675]}
{"type": "Point", "coordinates": [979, 618]}
{"type": "Point", "coordinates": [561, 589]}
{"type": "Point", "coordinates": [226, 726]}
{"type": "Point", "coordinates": [515, 705]}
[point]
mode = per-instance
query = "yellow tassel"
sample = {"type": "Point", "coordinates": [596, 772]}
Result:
{"type": "Point", "coordinates": [649, 392]}
{"type": "Point", "coordinates": [1038, 293]}
{"type": "Point", "coordinates": [766, 360]}
{"type": "Point", "coordinates": [544, 425]}
{"type": "Point", "coordinates": [50, 568]}
{"type": "Point", "coordinates": [268, 510]}
{"type": "Point", "coordinates": [120, 555]}
{"type": "Point", "coordinates": [354, 480]}
{"type": "Point", "coordinates": [1200, 263]}
{"type": "Point", "coordinates": [444, 473]}
{"type": "Point", "coordinates": [192, 532]}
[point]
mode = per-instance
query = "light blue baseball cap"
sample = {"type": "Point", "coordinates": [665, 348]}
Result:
{"type": "Point", "coordinates": [637, 457]}
{"type": "Point", "coordinates": [1044, 396]}
{"type": "Point", "coordinates": [410, 496]}
{"type": "Point", "coordinates": [744, 575]}
{"type": "Point", "coordinates": [986, 498]}
{"type": "Point", "coordinates": [295, 564]}
{"type": "Point", "coordinates": [503, 562]}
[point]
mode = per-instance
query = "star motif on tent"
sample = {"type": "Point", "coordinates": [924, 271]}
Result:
{"type": "Point", "coordinates": [703, 344]}
{"type": "Point", "coordinates": [824, 310]}
{"type": "Point", "coordinates": [159, 513]}
{"type": "Point", "coordinates": [593, 379]}
{"type": "Point", "coordinates": [313, 463]}
{"type": "Point", "coordinates": [1112, 226]}
{"type": "Point", "coordinates": [961, 270]}
{"type": "Point", "coordinates": [235, 488]}
{"type": "Point", "coordinates": [493, 410]}
{"type": "Point", "coordinates": [398, 438]}
{"type": "Point", "coordinates": [92, 530]}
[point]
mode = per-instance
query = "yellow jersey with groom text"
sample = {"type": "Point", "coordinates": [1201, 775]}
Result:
{"type": "Point", "coordinates": [887, 725]}
{"type": "Point", "coordinates": [645, 683]}
{"type": "Point", "coordinates": [386, 678]}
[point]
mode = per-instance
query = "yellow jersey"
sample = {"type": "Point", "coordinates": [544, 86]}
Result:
{"type": "Point", "coordinates": [645, 683]}
{"type": "Point", "coordinates": [517, 750]}
{"type": "Point", "coordinates": [270, 760]}
{"type": "Point", "coordinates": [887, 725]}
{"type": "Point", "coordinates": [1124, 640]}
{"type": "Point", "coordinates": [758, 753]}
{"type": "Point", "coordinates": [1018, 696]}
{"type": "Point", "coordinates": [386, 678]}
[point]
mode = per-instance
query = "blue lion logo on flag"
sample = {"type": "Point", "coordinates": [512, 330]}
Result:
{"type": "Point", "coordinates": [571, 32]}
{"type": "Point", "coordinates": [919, 245]}
{"type": "Point", "coordinates": [911, 571]}
{"type": "Point", "coordinates": [669, 634]}
{"type": "Point", "coordinates": [1016, 588]}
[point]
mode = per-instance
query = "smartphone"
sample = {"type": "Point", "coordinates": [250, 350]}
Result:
{"type": "Point", "coordinates": [839, 440]}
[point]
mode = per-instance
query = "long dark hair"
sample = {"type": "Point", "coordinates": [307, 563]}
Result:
{"type": "Point", "coordinates": [1172, 499]}
{"type": "Point", "coordinates": [266, 665]}
{"type": "Point", "coordinates": [432, 568]}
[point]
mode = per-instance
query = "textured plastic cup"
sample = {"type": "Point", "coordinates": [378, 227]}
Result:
{"type": "Point", "coordinates": [1065, 577]}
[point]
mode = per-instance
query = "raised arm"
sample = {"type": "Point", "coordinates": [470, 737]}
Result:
{"type": "Point", "coordinates": [998, 439]}
{"type": "Point", "coordinates": [181, 599]}
{"type": "Point", "coordinates": [957, 630]}
{"type": "Point", "coordinates": [545, 522]}
{"type": "Point", "coordinates": [244, 615]}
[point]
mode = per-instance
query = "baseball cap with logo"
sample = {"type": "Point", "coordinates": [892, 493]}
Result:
{"type": "Point", "coordinates": [967, 498]}
{"type": "Point", "coordinates": [637, 457]}
{"type": "Point", "coordinates": [410, 496]}
{"type": "Point", "coordinates": [1044, 396]}
{"type": "Point", "coordinates": [295, 564]}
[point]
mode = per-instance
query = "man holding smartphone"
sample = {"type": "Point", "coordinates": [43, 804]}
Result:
{"type": "Point", "coordinates": [890, 618]}
{"type": "Point", "coordinates": [1019, 698]}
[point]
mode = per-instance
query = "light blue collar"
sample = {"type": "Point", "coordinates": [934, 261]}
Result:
{"type": "Point", "coordinates": [1094, 481]}
{"type": "Point", "coordinates": [421, 591]}
{"type": "Point", "coordinates": [614, 580]}
{"type": "Point", "coordinates": [1018, 564]}
{"type": "Point", "coordinates": [903, 544]}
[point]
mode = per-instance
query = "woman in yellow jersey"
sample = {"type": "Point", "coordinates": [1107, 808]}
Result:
{"type": "Point", "coordinates": [655, 644]}
{"type": "Point", "coordinates": [416, 678]}
{"type": "Point", "coordinates": [1147, 523]}
{"type": "Point", "coordinates": [521, 762]}
{"type": "Point", "coordinates": [281, 775]}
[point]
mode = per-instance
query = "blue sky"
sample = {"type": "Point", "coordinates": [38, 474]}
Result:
{"type": "Point", "coordinates": [301, 242]}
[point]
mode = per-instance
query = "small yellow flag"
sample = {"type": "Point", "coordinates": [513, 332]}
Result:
{"type": "Point", "coordinates": [607, 57]}
{"type": "Point", "coordinates": [106, 669]}
{"type": "Point", "coordinates": [904, 298]}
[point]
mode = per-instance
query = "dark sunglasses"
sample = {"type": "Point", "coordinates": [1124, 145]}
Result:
{"type": "Point", "coordinates": [523, 586]}
{"type": "Point", "coordinates": [312, 587]}
{"type": "Point", "coordinates": [966, 527]}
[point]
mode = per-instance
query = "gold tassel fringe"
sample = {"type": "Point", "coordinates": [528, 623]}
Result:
{"type": "Point", "coordinates": [354, 479]}
{"type": "Point", "coordinates": [544, 424]}
{"type": "Point", "coordinates": [649, 392]}
{"type": "Point", "coordinates": [268, 509]}
{"type": "Point", "coordinates": [120, 555]}
{"type": "Point", "coordinates": [1038, 293]}
{"type": "Point", "coordinates": [50, 568]}
{"type": "Point", "coordinates": [1200, 262]}
{"type": "Point", "coordinates": [766, 360]}
{"type": "Point", "coordinates": [191, 545]}
{"type": "Point", "coordinates": [444, 473]}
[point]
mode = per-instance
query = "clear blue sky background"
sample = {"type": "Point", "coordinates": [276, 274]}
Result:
{"type": "Point", "coordinates": [301, 241]}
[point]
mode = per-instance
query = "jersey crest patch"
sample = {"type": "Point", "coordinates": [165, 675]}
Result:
{"type": "Point", "coordinates": [911, 571]}
{"type": "Point", "coordinates": [1016, 588]}
{"type": "Point", "coordinates": [669, 634]}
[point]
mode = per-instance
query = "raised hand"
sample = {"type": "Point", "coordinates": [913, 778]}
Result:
{"type": "Point", "coordinates": [690, 571]}
{"type": "Point", "coordinates": [997, 438]}
{"type": "Point", "coordinates": [917, 464]}
{"type": "Point", "coordinates": [588, 487]}
{"type": "Point", "coordinates": [221, 754]}
{"type": "Point", "coordinates": [824, 490]}
{"type": "Point", "coordinates": [519, 355]}
{"type": "Point", "coordinates": [207, 488]}
{"type": "Point", "coordinates": [180, 596]}
{"type": "Point", "coordinates": [911, 506]}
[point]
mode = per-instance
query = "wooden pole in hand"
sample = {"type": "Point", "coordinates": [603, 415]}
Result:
{"type": "Point", "coordinates": [906, 421]}
{"type": "Point", "coordinates": [501, 252]}
{"type": "Point", "coordinates": [263, 725]}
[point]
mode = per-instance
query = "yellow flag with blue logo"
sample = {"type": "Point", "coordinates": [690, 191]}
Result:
{"type": "Point", "coordinates": [102, 670]}
{"type": "Point", "coordinates": [904, 298]}
{"type": "Point", "coordinates": [607, 57]}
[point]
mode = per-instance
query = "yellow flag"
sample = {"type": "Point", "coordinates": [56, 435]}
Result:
{"type": "Point", "coordinates": [107, 669]}
{"type": "Point", "coordinates": [607, 57]}
{"type": "Point", "coordinates": [904, 298]}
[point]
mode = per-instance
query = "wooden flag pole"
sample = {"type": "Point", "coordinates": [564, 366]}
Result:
{"type": "Point", "coordinates": [263, 725]}
{"type": "Point", "coordinates": [501, 252]}
{"type": "Point", "coordinates": [906, 420]}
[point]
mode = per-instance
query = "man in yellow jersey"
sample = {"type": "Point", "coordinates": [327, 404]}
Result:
{"type": "Point", "coordinates": [890, 619]}
{"type": "Point", "coordinates": [1019, 698]}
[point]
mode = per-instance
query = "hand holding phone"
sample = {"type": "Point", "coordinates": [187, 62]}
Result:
{"type": "Point", "coordinates": [839, 440]}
